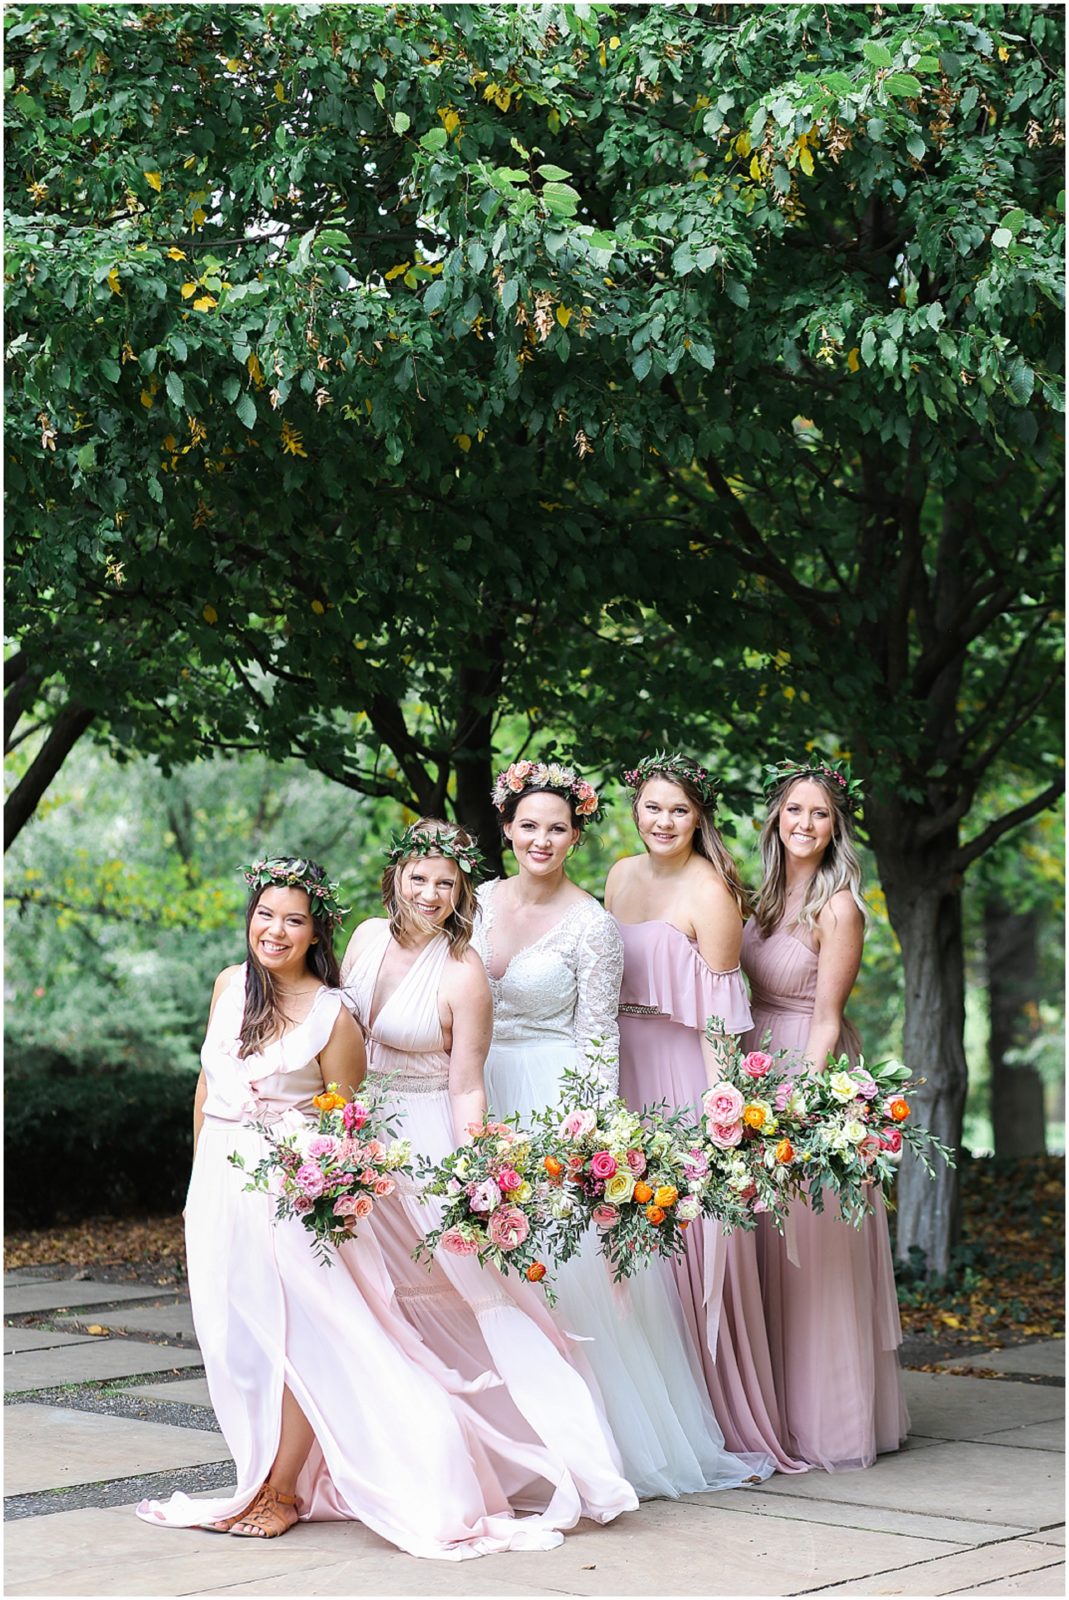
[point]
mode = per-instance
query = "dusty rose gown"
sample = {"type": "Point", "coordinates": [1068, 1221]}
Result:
{"type": "Point", "coordinates": [544, 1425]}
{"type": "Point", "coordinates": [828, 1288]}
{"type": "Point", "coordinates": [398, 1446]}
{"type": "Point", "coordinates": [668, 994]}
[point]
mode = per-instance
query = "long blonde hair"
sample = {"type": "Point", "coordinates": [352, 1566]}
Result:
{"type": "Point", "coordinates": [839, 867]}
{"type": "Point", "coordinates": [707, 840]}
{"type": "Point", "coordinates": [407, 922]}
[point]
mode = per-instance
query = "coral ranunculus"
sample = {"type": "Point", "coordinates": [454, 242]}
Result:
{"type": "Point", "coordinates": [643, 1192]}
{"type": "Point", "coordinates": [535, 1272]}
{"type": "Point", "coordinates": [899, 1109]}
{"type": "Point", "coordinates": [655, 1215]}
{"type": "Point", "coordinates": [666, 1196]}
{"type": "Point", "coordinates": [785, 1151]}
{"type": "Point", "coordinates": [553, 1166]}
{"type": "Point", "coordinates": [754, 1117]}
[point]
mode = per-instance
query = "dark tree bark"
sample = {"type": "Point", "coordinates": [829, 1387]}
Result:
{"type": "Point", "coordinates": [23, 800]}
{"type": "Point", "coordinates": [1017, 1112]}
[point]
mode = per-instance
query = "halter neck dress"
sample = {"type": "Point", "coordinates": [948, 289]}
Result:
{"type": "Point", "coordinates": [829, 1289]}
{"type": "Point", "coordinates": [397, 1445]}
{"type": "Point", "coordinates": [543, 1424]}
{"type": "Point", "coordinates": [555, 1007]}
{"type": "Point", "coordinates": [668, 995]}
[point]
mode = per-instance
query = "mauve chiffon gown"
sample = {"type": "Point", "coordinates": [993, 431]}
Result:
{"type": "Point", "coordinates": [543, 1423]}
{"type": "Point", "coordinates": [398, 1445]}
{"type": "Point", "coordinates": [829, 1288]}
{"type": "Point", "coordinates": [667, 996]}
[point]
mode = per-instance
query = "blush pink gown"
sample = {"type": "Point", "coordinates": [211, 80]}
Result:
{"type": "Point", "coordinates": [545, 1428]}
{"type": "Point", "coordinates": [829, 1289]}
{"type": "Point", "coordinates": [398, 1444]}
{"type": "Point", "coordinates": [668, 994]}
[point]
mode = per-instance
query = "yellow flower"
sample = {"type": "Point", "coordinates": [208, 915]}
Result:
{"type": "Point", "coordinates": [666, 1196]}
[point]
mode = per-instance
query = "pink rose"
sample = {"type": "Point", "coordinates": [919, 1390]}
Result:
{"type": "Point", "coordinates": [749, 1192]}
{"type": "Point", "coordinates": [867, 1086]}
{"type": "Point", "coordinates": [578, 1122]}
{"type": "Point", "coordinates": [302, 1205]}
{"type": "Point", "coordinates": [723, 1103]}
{"type": "Point", "coordinates": [576, 1163]}
{"type": "Point", "coordinates": [695, 1164]}
{"type": "Point", "coordinates": [322, 1145]}
{"type": "Point", "coordinates": [783, 1094]}
{"type": "Point", "coordinates": [508, 1178]}
{"type": "Point", "coordinates": [605, 1216]}
{"type": "Point", "coordinates": [636, 1163]}
{"type": "Point", "coordinates": [345, 1206]}
{"type": "Point", "coordinates": [373, 1150]}
{"type": "Point", "coordinates": [756, 1064]}
{"type": "Point", "coordinates": [588, 806]}
{"type": "Point", "coordinates": [870, 1147]}
{"type": "Point", "coordinates": [310, 1179]}
{"type": "Point", "coordinates": [508, 1227]}
{"type": "Point", "coordinates": [368, 1176]}
{"type": "Point", "coordinates": [514, 778]}
{"type": "Point", "coordinates": [758, 1206]}
{"type": "Point", "coordinates": [486, 1196]}
{"type": "Point", "coordinates": [456, 1244]}
{"type": "Point", "coordinates": [384, 1186]}
{"type": "Point", "coordinates": [363, 1206]}
{"type": "Point", "coordinates": [353, 1116]}
{"type": "Point", "coordinates": [892, 1144]}
{"type": "Point", "coordinates": [725, 1135]}
{"type": "Point", "coordinates": [348, 1152]}
{"type": "Point", "coordinates": [602, 1165]}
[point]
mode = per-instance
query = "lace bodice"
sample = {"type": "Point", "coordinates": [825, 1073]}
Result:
{"type": "Point", "coordinates": [564, 987]}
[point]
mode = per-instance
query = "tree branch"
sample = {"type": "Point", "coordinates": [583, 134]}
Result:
{"type": "Point", "coordinates": [975, 847]}
{"type": "Point", "coordinates": [24, 799]}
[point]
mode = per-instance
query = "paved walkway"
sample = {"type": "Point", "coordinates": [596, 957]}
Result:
{"type": "Point", "coordinates": [106, 1402]}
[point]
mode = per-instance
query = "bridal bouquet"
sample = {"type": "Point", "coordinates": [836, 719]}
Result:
{"type": "Point", "coordinates": [331, 1175]}
{"type": "Point", "coordinates": [855, 1124]}
{"type": "Point", "coordinates": [750, 1133]}
{"type": "Point", "coordinates": [493, 1204]}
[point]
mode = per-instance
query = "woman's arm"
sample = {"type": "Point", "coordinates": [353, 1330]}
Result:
{"type": "Point", "coordinates": [718, 930]}
{"type": "Point", "coordinates": [343, 1059]}
{"type": "Point", "coordinates": [472, 1025]}
{"type": "Point", "coordinates": [841, 932]}
{"type": "Point", "coordinates": [352, 950]}
{"type": "Point", "coordinates": [198, 1108]}
{"type": "Point", "coordinates": [599, 973]}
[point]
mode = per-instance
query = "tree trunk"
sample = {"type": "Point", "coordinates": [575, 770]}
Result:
{"type": "Point", "coordinates": [478, 690]}
{"type": "Point", "coordinates": [1012, 981]}
{"type": "Point", "coordinates": [24, 799]}
{"type": "Point", "coordinates": [925, 910]}
{"type": "Point", "coordinates": [474, 808]}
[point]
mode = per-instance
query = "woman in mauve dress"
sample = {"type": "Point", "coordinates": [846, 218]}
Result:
{"type": "Point", "coordinates": [422, 999]}
{"type": "Point", "coordinates": [828, 1288]}
{"type": "Point", "coordinates": [680, 909]}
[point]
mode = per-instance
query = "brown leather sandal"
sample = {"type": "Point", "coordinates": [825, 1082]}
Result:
{"type": "Point", "coordinates": [270, 1515]}
{"type": "Point", "coordinates": [225, 1524]}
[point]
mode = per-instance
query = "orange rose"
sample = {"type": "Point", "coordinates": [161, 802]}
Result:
{"type": "Point", "coordinates": [553, 1166]}
{"type": "Point", "coordinates": [899, 1109]}
{"type": "Point", "coordinates": [785, 1151]}
{"type": "Point", "coordinates": [754, 1117]}
{"type": "Point", "coordinates": [654, 1214]}
{"type": "Point", "coordinates": [337, 1102]}
{"type": "Point", "coordinates": [666, 1196]}
{"type": "Point", "coordinates": [684, 1225]}
{"type": "Point", "coordinates": [323, 1102]}
{"type": "Point", "coordinates": [643, 1192]}
{"type": "Point", "coordinates": [535, 1272]}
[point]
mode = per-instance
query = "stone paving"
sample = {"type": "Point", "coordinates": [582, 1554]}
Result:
{"type": "Point", "coordinates": [973, 1505]}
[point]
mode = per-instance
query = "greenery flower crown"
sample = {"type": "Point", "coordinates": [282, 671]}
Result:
{"type": "Point", "coordinates": [416, 841]}
{"type": "Point", "coordinates": [524, 775]}
{"type": "Point", "coordinates": [299, 873]}
{"type": "Point", "coordinates": [834, 772]}
{"type": "Point", "coordinates": [673, 764]}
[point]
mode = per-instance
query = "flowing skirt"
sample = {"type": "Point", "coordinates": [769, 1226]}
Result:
{"type": "Point", "coordinates": [639, 1347]}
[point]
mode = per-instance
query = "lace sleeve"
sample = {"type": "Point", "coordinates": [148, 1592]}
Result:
{"type": "Point", "coordinates": [599, 971]}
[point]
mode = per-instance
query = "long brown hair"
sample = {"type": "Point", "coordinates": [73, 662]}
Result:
{"type": "Point", "coordinates": [406, 920]}
{"type": "Point", "coordinates": [707, 840]}
{"type": "Point", "coordinates": [839, 867]}
{"type": "Point", "coordinates": [264, 1015]}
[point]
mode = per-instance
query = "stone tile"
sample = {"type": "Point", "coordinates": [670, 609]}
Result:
{"type": "Point", "coordinates": [1048, 1580]}
{"type": "Point", "coordinates": [185, 1391]}
{"type": "Point", "coordinates": [173, 1320]}
{"type": "Point", "coordinates": [92, 1362]}
{"type": "Point", "coordinates": [17, 1340]}
{"type": "Point", "coordinates": [1036, 1436]}
{"type": "Point", "coordinates": [1051, 1536]}
{"type": "Point", "coordinates": [1044, 1360]}
{"type": "Point", "coordinates": [50, 1447]}
{"type": "Point", "coordinates": [942, 1407]}
{"type": "Point", "coordinates": [993, 1567]}
{"type": "Point", "coordinates": [903, 1519]}
{"type": "Point", "coordinates": [47, 1295]}
{"type": "Point", "coordinates": [977, 1482]}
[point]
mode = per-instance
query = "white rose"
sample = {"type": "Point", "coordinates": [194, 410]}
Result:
{"type": "Point", "coordinates": [855, 1130]}
{"type": "Point", "coordinates": [688, 1208]}
{"type": "Point", "coordinates": [561, 1207]}
{"type": "Point", "coordinates": [520, 1196]}
{"type": "Point", "coordinates": [620, 1187]}
{"type": "Point", "coordinates": [842, 1086]}
{"type": "Point", "coordinates": [462, 1168]}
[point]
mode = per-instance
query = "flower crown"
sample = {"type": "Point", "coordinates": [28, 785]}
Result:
{"type": "Point", "coordinates": [417, 841]}
{"type": "Point", "coordinates": [523, 775]}
{"type": "Point", "coordinates": [299, 873]}
{"type": "Point", "coordinates": [836, 773]}
{"type": "Point", "coordinates": [673, 765]}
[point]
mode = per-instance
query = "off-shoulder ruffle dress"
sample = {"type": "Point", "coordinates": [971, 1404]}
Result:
{"type": "Point", "coordinates": [828, 1288]}
{"type": "Point", "coordinates": [667, 997]}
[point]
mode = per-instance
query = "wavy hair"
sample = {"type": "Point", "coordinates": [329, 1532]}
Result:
{"type": "Point", "coordinates": [839, 867]}
{"type": "Point", "coordinates": [264, 1015]}
{"type": "Point", "coordinates": [406, 921]}
{"type": "Point", "coordinates": [707, 838]}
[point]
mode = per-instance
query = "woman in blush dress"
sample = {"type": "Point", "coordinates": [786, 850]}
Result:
{"type": "Point", "coordinates": [330, 1404]}
{"type": "Point", "coordinates": [828, 1288]}
{"type": "Point", "coordinates": [679, 908]}
{"type": "Point", "coordinates": [554, 959]}
{"type": "Point", "coordinates": [422, 999]}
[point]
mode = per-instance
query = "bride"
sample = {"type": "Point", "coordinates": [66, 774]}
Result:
{"type": "Point", "coordinates": [555, 960]}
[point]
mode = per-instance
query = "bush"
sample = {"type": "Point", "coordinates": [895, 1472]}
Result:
{"type": "Point", "coordinates": [93, 1144]}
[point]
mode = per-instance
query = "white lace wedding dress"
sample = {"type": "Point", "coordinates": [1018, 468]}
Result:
{"type": "Point", "coordinates": [556, 1004]}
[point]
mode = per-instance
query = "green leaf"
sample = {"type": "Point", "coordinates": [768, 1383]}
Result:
{"type": "Point", "coordinates": [436, 295]}
{"type": "Point", "coordinates": [877, 53]}
{"type": "Point", "coordinates": [552, 172]}
{"type": "Point", "coordinates": [561, 199]}
{"type": "Point", "coordinates": [231, 388]}
{"type": "Point", "coordinates": [435, 139]}
{"type": "Point", "coordinates": [86, 457]}
{"type": "Point", "coordinates": [179, 348]}
{"type": "Point", "coordinates": [641, 364]}
{"type": "Point", "coordinates": [737, 293]}
{"type": "Point", "coordinates": [175, 389]}
{"type": "Point", "coordinates": [1015, 221]}
{"type": "Point", "coordinates": [379, 92]}
{"type": "Point", "coordinates": [1002, 238]}
{"type": "Point", "coordinates": [916, 146]}
{"type": "Point", "coordinates": [702, 354]}
{"type": "Point", "coordinates": [929, 408]}
{"type": "Point", "coordinates": [1022, 383]}
{"type": "Point", "coordinates": [402, 122]}
{"type": "Point", "coordinates": [903, 85]}
{"type": "Point", "coordinates": [246, 410]}
{"type": "Point", "coordinates": [111, 370]}
{"type": "Point", "coordinates": [868, 347]}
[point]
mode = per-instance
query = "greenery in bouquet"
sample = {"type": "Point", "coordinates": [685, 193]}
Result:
{"type": "Point", "coordinates": [750, 1123]}
{"type": "Point", "coordinates": [639, 1178]}
{"type": "Point", "coordinates": [493, 1201]}
{"type": "Point", "coordinates": [855, 1126]}
{"type": "Point", "coordinates": [331, 1174]}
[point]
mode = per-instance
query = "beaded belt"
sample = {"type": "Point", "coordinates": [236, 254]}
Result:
{"type": "Point", "coordinates": [412, 1083]}
{"type": "Point", "coordinates": [642, 1011]}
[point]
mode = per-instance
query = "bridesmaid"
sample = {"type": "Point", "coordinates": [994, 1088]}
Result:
{"type": "Point", "coordinates": [421, 996]}
{"type": "Point", "coordinates": [680, 909]}
{"type": "Point", "coordinates": [801, 952]}
{"type": "Point", "coordinates": [388, 1438]}
{"type": "Point", "coordinates": [555, 959]}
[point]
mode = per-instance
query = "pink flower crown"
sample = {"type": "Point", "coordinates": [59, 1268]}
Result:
{"type": "Point", "coordinates": [299, 873]}
{"type": "Point", "coordinates": [524, 775]}
{"type": "Point", "coordinates": [835, 773]}
{"type": "Point", "coordinates": [672, 765]}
